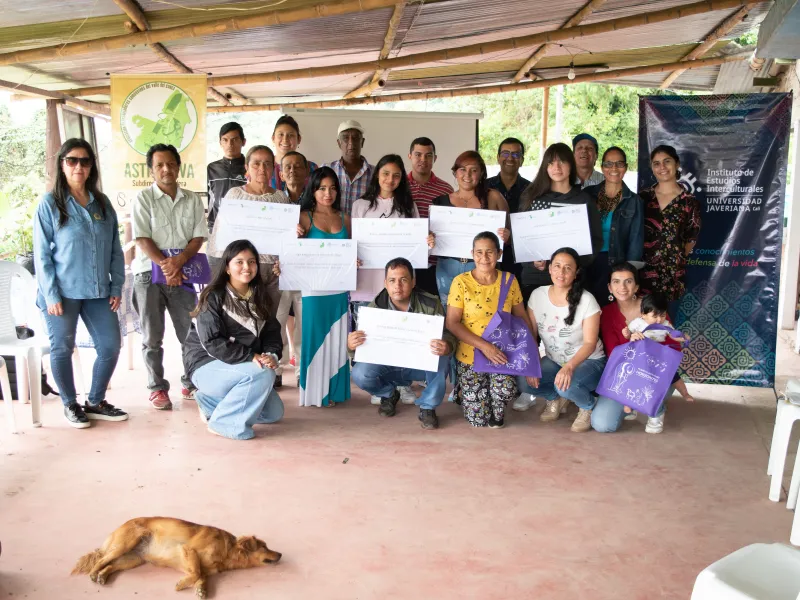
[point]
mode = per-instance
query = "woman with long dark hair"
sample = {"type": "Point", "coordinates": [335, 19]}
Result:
{"type": "Point", "coordinates": [324, 363]}
{"type": "Point", "coordinates": [80, 271]}
{"type": "Point", "coordinates": [567, 319]}
{"type": "Point", "coordinates": [671, 226]}
{"type": "Point", "coordinates": [556, 185]}
{"type": "Point", "coordinates": [621, 219]}
{"type": "Point", "coordinates": [234, 347]}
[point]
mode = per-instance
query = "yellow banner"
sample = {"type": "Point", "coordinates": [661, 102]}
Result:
{"type": "Point", "coordinates": [156, 109]}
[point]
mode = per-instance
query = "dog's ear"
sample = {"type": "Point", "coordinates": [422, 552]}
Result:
{"type": "Point", "coordinates": [248, 543]}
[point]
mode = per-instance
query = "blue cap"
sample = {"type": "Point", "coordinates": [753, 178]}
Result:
{"type": "Point", "coordinates": [585, 136]}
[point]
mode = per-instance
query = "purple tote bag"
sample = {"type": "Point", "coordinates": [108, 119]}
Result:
{"type": "Point", "coordinates": [196, 269]}
{"type": "Point", "coordinates": [512, 337]}
{"type": "Point", "coordinates": [639, 374]}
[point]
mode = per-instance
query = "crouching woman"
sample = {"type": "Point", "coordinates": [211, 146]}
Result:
{"type": "Point", "coordinates": [234, 346]}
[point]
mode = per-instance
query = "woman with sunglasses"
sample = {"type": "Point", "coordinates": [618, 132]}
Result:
{"type": "Point", "coordinates": [622, 222]}
{"type": "Point", "coordinates": [79, 271]}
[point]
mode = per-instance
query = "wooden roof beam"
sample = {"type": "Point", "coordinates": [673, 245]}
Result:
{"type": "Point", "coordinates": [492, 89]}
{"type": "Point", "coordinates": [378, 78]}
{"type": "Point", "coordinates": [167, 34]}
{"type": "Point", "coordinates": [712, 38]}
{"type": "Point", "coordinates": [91, 107]}
{"type": "Point", "coordinates": [542, 51]}
{"type": "Point", "coordinates": [502, 45]}
{"type": "Point", "coordinates": [139, 22]}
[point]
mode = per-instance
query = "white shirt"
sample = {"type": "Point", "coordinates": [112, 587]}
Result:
{"type": "Point", "coordinates": [169, 223]}
{"type": "Point", "coordinates": [639, 325]}
{"type": "Point", "coordinates": [562, 341]}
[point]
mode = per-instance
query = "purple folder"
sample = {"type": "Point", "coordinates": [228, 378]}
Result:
{"type": "Point", "coordinates": [196, 269]}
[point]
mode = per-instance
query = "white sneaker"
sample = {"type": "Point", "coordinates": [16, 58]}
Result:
{"type": "Point", "coordinates": [655, 424]}
{"type": "Point", "coordinates": [407, 395]}
{"type": "Point", "coordinates": [523, 402]}
{"type": "Point", "coordinates": [375, 400]}
{"type": "Point", "coordinates": [631, 416]}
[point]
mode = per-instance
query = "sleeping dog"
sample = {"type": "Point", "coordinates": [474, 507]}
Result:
{"type": "Point", "coordinates": [197, 550]}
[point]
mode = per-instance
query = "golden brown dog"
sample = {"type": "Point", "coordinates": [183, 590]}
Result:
{"type": "Point", "coordinates": [197, 550]}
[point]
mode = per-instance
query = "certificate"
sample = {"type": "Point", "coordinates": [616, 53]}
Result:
{"type": "Point", "coordinates": [317, 265]}
{"type": "Point", "coordinates": [455, 228]}
{"type": "Point", "coordinates": [265, 224]}
{"type": "Point", "coordinates": [381, 240]}
{"type": "Point", "coordinates": [539, 233]}
{"type": "Point", "coordinates": [399, 339]}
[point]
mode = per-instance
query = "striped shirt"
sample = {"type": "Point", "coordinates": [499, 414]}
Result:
{"type": "Point", "coordinates": [425, 193]}
{"type": "Point", "coordinates": [351, 190]}
{"type": "Point", "coordinates": [595, 178]}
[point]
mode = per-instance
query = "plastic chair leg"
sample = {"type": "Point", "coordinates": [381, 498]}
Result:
{"type": "Point", "coordinates": [780, 446]}
{"type": "Point", "coordinates": [5, 384]}
{"type": "Point", "coordinates": [794, 537]}
{"type": "Point", "coordinates": [77, 369]}
{"type": "Point", "coordinates": [23, 390]}
{"type": "Point", "coordinates": [774, 436]}
{"type": "Point", "coordinates": [794, 486]}
{"type": "Point", "coordinates": [35, 374]}
{"type": "Point", "coordinates": [129, 342]}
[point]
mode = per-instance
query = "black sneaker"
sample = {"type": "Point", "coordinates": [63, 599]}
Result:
{"type": "Point", "coordinates": [75, 416]}
{"type": "Point", "coordinates": [104, 412]}
{"type": "Point", "coordinates": [495, 424]}
{"type": "Point", "coordinates": [278, 382]}
{"type": "Point", "coordinates": [428, 418]}
{"type": "Point", "coordinates": [388, 405]}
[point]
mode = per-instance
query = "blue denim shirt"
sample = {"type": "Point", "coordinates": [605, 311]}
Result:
{"type": "Point", "coordinates": [626, 236]}
{"type": "Point", "coordinates": [81, 259]}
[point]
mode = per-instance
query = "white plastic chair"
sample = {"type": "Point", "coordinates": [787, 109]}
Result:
{"type": "Point", "coordinates": [755, 572]}
{"type": "Point", "coordinates": [5, 385]}
{"type": "Point", "coordinates": [27, 353]}
{"type": "Point", "coordinates": [785, 417]}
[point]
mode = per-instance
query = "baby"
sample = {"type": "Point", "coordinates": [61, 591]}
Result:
{"type": "Point", "coordinates": [654, 310]}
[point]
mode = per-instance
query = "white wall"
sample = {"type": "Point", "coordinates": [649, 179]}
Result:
{"type": "Point", "coordinates": [389, 132]}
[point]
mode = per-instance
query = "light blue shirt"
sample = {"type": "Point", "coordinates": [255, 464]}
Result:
{"type": "Point", "coordinates": [81, 259]}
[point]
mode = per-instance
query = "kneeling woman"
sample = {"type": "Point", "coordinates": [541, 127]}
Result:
{"type": "Point", "coordinates": [233, 348]}
{"type": "Point", "coordinates": [470, 306]}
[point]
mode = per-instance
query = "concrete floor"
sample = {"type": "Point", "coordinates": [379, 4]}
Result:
{"type": "Point", "coordinates": [530, 511]}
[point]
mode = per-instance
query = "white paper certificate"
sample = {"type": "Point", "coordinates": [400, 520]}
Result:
{"type": "Point", "coordinates": [381, 240]}
{"type": "Point", "coordinates": [317, 265]}
{"type": "Point", "coordinates": [399, 339]}
{"type": "Point", "coordinates": [539, 233]}
{"type": "Point", "coordinates": [455, 228]}
{"type": "Point", "coordinates": [265, 224]}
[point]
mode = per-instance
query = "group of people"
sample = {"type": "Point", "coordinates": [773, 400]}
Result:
{"type": "Point", "coordinates": [242, 332]}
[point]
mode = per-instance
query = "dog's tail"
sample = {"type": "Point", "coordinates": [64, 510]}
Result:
{"type": "Point", "coordinates": [87, 562]}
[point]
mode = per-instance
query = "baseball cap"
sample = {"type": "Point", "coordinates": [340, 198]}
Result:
{"type": "Point", "coordinates": [585, 136]}
{"type": "Point", "coordinates": [349, 124]}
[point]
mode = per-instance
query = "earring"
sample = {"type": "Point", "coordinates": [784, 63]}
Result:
{"type": "Point", "coordinates": [634, 296]}
{"type": "Point", "coordinates": [611, 297]}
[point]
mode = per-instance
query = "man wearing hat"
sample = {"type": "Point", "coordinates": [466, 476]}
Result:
{"type": "Point", "coordinates": [586, 150]}
{"type": "Point", "coordinates": [353, 170]}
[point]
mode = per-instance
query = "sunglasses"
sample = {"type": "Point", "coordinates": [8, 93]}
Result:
{"type": "Point", "coordinates": [507, 154]}
{"type": "Point", "coordinates": [73, 161]}
{"type": "Point", "coordinates": [609, 164]}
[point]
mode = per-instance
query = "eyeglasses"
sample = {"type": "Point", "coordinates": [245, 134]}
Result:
{"type": "Point", "coordinates": [507, 154]}
{"type": "Point", "coordinates": [73, 161]}
{"type": "Point", "coordinates": [609, 164]}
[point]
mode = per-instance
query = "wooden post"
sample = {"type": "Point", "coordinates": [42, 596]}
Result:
{"type": "Point", "coordinates": [545, 117]}
{"type": "Point", "coordinates": [53, 143]}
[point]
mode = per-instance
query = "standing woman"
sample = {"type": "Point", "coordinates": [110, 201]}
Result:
{"type": "Point", "coordinates": [286, 138]}
{"type": "Point", "coordinates": [556, 185]}
{"type": "Point", "coordinates": [233, 347]}
{"type": "Point", "coordinates": [79, 271]}
{"type": "Point", "coordinates": [472, 304]}
{"type": "Point", "coordinates": [671, 226]}
{"type": "Point", "coordinates": [621, 219]}
{"type": "Point", "coordinates": [324, 363]}
{"type": "Point", "coordinates": [259, 162]}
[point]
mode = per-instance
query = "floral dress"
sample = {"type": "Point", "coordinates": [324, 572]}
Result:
{"type": "Point", "coordinates": [666, 232]}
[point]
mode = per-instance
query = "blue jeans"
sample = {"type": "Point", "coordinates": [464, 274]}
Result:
{"type": "Point", "coordinates": [235, 397]}
{"type": "Point", "coordinates": [608, 414]}
{"type": "Point", "coordinates": [381, 380]}
{"type": "Point", "coordinates": [102, 324]}
{"type": "Point", "coordinates": [585, 378]}
{"type": "Point", "coordinates": [448, 269]}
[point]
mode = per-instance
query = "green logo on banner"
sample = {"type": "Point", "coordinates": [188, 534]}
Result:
{"type": "Point", "coordinates": [158, 113]}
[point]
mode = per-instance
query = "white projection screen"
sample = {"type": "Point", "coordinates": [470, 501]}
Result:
{"type": "Point", "coordinates": [389, 132]}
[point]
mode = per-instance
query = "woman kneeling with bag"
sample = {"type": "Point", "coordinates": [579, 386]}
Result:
{"type": "Point", "coordinates": [472, 303]}
{"type": "Point", "coordinates": [233, 348]}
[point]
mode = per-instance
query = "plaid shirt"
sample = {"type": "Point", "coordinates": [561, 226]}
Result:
{"type": "Point", "coordinates": [351, 191]}
{"type": "Point", "coordinates": [595, 178]}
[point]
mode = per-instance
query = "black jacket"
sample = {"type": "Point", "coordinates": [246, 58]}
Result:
{"type": "Point", "coordinates": [223, 174]}
{"type": "Point", "coordinates": [531, 276]}
{"type": "Point", "coordinates": [218, 333]}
